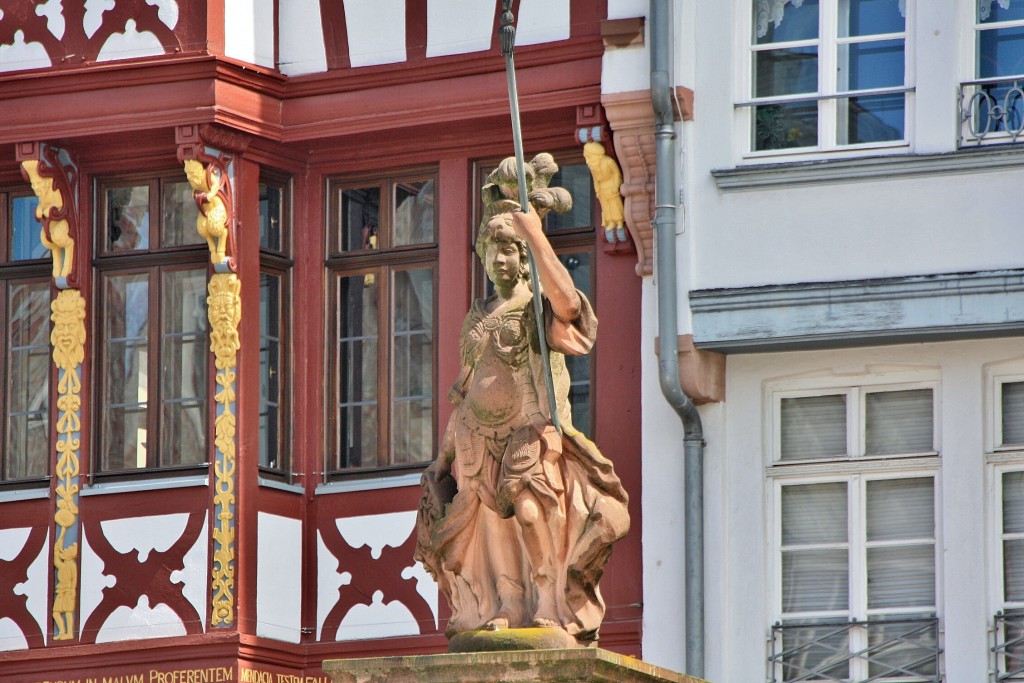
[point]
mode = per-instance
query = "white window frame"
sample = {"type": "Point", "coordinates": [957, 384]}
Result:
{"type": "Point", "coordinates": [855, 470]}
{"type": "Point", "coordinates": [855, 393]}
{"type": "Point", "coordinates": [827, 94]}
{"type": "Point", "coordinates": [969, 17]}
{"type": "Point", "coordinates": [995, 440]}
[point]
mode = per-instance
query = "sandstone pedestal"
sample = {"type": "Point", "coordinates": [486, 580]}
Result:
{"type": "Point", "coordinates": [579, 665]}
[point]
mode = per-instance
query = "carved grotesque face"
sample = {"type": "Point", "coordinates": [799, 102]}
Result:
{"type": "Point", "coordinates": [68, 334]}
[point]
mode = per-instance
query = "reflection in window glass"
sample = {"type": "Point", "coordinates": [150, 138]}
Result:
{"type": "Point", "coordinates": [359, 221]}
{"type": "Point", "coordinates": [183, 360]}
{"type": "Point", "coordinates": [125, 372]}
{"type": "Point", "coordinates": [270, 372]}
{"type": "Point", "coordinates": [178, 216]}
{"type": "Point", "coordinates": [577, 180]}
{"type": "Point", "coordinates": [358, 297]}
{"type": "Point", "coordinates": [26, 453]}
{"type": "Point", "coordinates": [412, 328]}
{"type": "Point", "coordinates": [128, 218]}
{"type": "Point", "coordinates": [25, 242]}
{"type": "Point", "coordinates": [414, 212]}
{"type": "Point", "coordinates": [271, 208]}
{"type": "Point", "coordinates": [579, 367]}
{"type": "Point", "coordinates": [783, 126]}
{"type": "Point", "coordinates": [781, 22]}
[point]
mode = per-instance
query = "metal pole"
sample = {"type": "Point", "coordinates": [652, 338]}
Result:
{"type": "Point", "coordinates": [508, 40]}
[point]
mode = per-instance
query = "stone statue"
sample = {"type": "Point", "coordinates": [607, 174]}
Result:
{"type": "Point", "coordinates": [517, 520]}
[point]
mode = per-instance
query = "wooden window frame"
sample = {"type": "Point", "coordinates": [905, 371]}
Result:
{"type": "Point", "coordinates": [153, 261]}
{"type": "Point", "coordinates": [383, 261]}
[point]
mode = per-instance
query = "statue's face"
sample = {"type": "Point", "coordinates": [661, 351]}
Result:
{"type": "Point", "coordinates": [504, 263]}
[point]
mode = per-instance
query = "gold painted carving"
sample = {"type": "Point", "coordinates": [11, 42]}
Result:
{"type": "Point", "coordinates": [68, 340]}
{"type": "Point", "coordinates": [224, 304]}
{"type": "Point", "coordinates": [208, 185]}
{"type": "Point", "coordinates": [55, 234]}
{"type": "Point", "coordinates": [607, 184]}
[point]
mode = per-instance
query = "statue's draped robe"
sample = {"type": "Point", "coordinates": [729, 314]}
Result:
{"type": "Point", "coordinates": [505, 448]}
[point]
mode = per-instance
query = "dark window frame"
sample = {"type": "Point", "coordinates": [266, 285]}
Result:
{"type": "Point", "coordinates": [155, 261]}
{"type": "Point", "coordinates": [383, 261]}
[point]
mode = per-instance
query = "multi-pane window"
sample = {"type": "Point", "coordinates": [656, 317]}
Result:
{"type": "Point", "coordinates": [827, 74]}
{"type": "Point", "coordinates": [854, 484]}
{"type": "Point", "coordinates": [572, 236]}
{"type": "Point", "coordinates": [25, 344]}
{"type": "Point", "coordinates": [382, 266]}
{"type": "Point", "coordinates": [152, 331]}
{"type": "Point", "coordinates": [994, 102]}
{"type": "Point", "coordinates": [1009, 507]}
{"type": "Point", "coordinates": [275, 271]}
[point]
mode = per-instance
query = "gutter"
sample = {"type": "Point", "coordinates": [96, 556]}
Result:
{"type": "Point", "coordinates": [668, 332]}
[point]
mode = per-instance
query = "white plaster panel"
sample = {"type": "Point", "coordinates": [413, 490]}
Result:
{"type": "Point", "coordinates": [376, 31]}
{"type": "Point", "coordinates": [279, 578]}
{"type": "Point", "coordinates": [458, 26]}
{"type": "Point", "coordinates": [856, 230]}
{"type": "Point", "coordinates": [377, 531]}
{"type": "Point", "coordinates": [37, 587]}
{"type": "Point", "coordinates": [141, 622]}
{"type": "Point", "coordinates": [93, 18]}
{"type": "Point", "coordinates": [328, 581]}
{"type": "Point", "coordinates": [11, 637]}
{"type": "Point", "coordinates": [301, 44]}
{"type": "Point", "coordinates": [249, 36]}
{"type": "Point", "coordinates": [21, 55]}
{"type": "Point", "coordinates": [130, 44]}
{"type": "Point", "coordinates": [144, 534]}
{"type": "Point", "coordinates": [542, 21]}
{"type": "Point", "coordinates": [167, 11]}
{"type": "Point", "coordinates": [12, 542]}
{"type": "Point", "coordinates": [194, 574]}
{"type": "Point", "coordinates": [54, 13]}
{"type": "Point", "coordinates": [92, 581]}
{"type": "Point", "coordinates": [34, 588]}
{"type": "Point", "coordinates": [377, 620]}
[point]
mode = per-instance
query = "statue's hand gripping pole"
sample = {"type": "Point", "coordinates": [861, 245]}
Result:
{"type": "Point", "coordinates": [508, 41]}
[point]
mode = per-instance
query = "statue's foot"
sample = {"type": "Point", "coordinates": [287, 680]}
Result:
{"type": "Point", "coordinates": [544, 622]}
{"type": "Point", "coordinates": [496, 624]}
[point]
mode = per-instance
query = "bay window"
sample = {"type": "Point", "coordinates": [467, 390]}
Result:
{"type": "Point", "coordinates": [152, 337]}
{"type": "Point", "coordinates": [382, 274]}
{"type": "Point", "coordinates": [828, 74]}
{"type": "Point", "coordinates": [854, 488]}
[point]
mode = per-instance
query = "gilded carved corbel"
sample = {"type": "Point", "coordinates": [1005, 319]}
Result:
{"type": "Point", "coordinates": [54, 180]}
{"type": "Point", "coordinates": [209, 173]}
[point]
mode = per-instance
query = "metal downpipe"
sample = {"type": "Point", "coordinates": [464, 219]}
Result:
{"type": "Point", "coordinates": [668, 332]}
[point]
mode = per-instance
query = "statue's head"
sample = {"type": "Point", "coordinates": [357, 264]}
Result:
{"type": "Point", "coordinates": [502, 253]}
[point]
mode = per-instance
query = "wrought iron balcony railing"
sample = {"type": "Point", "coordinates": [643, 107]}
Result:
{"type": "Point", "coordinates": [905, 650]}
{"type": "Point", "coordinates": [991, 109]}
{"type": "Point", "coordinates": [1009, 646]}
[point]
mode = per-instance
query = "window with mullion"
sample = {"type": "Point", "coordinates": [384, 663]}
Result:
{"type": "Point", "coordinates": [997, 106]}
{"type": "Point", "coordinates": [152, 337]}
{"type": "Point", "coordinates": [855, 564]}
{"type": "Point", "coordinates": [383, 271]}
{"type": "Point", "coordinates": [827, 74]}
{"type": "Point", "coordinates": [858, 550]}
{"type": "Point", "coordinates": [25, 369]}
{"type": "Point", "coordinates": [275, 298]}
